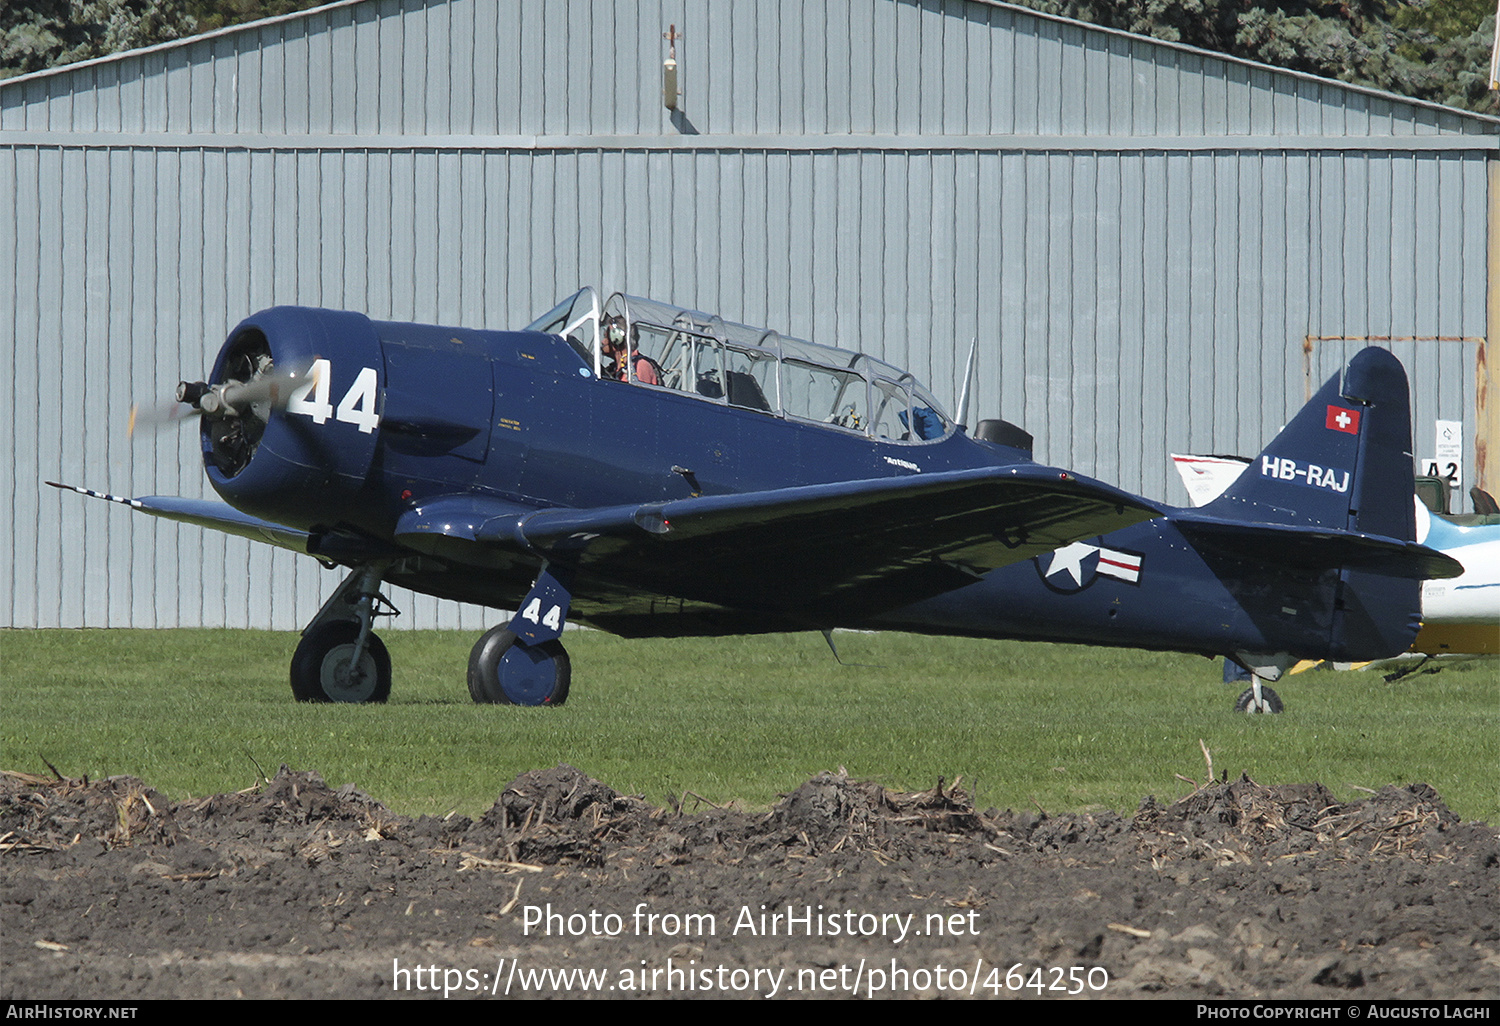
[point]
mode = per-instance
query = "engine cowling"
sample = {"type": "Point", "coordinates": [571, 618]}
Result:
{"type": "Point", "coordinates": [298, 393]}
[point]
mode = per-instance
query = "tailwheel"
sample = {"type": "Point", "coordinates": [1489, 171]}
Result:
{"type": "Point", "coordinates": [1262, 667]}
{"type": "Point", "coordinates": [324, 667]}
{"type": "Point", "coordinates": [1267, 702]}
{"type": "Point", "coordinates": [506, 671]}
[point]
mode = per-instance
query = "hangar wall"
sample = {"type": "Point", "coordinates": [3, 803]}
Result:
{"type": "Point", "coordinates": [1140, 235]}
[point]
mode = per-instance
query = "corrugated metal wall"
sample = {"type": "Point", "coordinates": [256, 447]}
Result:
{"type": "Point", "coordinates": [1140, 236]}
{"type": "Point", "coordinates": [777, 67]}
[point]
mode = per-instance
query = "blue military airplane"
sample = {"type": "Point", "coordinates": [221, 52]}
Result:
{"type": "Point", "coordinates": [654, 471]}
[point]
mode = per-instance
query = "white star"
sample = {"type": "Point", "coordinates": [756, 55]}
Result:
{"type": "Point", "coordinates": [1070, 558]}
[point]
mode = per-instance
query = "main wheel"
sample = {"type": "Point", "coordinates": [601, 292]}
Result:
{"type": "Point", "coordinates": [1270, 701]}
{"type": "Point", "coordinates": [503, 671]}
{"type": "Point", "coordinates": [322, 664]}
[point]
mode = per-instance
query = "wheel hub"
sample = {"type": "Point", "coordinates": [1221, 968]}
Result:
{"type": "Point", "coordinates": [343, 681]}
{"type": "Point", "coordinates": [527, 675]}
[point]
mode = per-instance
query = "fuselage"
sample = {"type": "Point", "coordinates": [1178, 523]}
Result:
{"type": "Point", "coordinates": [1142, 587]}
{"type": "Point", "coordinates": [396, 415]}
{"type": "Point", "coordinates": [1461, 615]}
{"type": "Point", "coordinates": [522, 417]}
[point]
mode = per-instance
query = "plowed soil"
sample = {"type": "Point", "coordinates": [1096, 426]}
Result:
{"type": "Point", "coordinates": [566, 888]}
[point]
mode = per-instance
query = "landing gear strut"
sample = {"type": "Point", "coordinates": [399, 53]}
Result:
{"type": "Point", "coordinates": [339, 658]}
{"type": "Point", "coordinates": [523, 662]}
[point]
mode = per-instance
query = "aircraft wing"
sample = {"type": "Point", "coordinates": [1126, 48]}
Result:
{"type": "Point", "coordinates": [831, 551]}
{"type": "Point", "coordinates": [824, 552]}
{"type": "Point", "coordinates": [206, 513]}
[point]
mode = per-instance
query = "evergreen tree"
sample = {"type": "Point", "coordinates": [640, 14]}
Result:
{"type": "Point", "coordinates": [1435, 50]}
{"type": "Point", "coordinates": [38, 34]}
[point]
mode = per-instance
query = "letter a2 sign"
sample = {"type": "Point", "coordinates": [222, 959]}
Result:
{"type": "Point", "coordinates": [1449, 459]}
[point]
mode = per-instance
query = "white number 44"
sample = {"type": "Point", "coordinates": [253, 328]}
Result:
{"type": "Point", "coordinates": [533, 613]}
{"type": "Point", "coordinates": [357, 407]}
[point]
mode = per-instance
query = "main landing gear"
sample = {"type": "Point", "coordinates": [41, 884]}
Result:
{"type": "Point", "coordinates": [339, 658]}
{"type": "Point", "coordinates": [524, 662]}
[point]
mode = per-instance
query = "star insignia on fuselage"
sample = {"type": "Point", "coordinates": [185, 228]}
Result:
{"type": "Point", "coordinates": [1070, 559]}
{"type": "Point", "coordinates": [1077, 565]}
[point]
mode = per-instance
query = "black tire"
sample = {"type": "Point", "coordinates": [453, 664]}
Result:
{"type": "Point", "coordinates": [1270, 701]}
{"type": "Point", "coordinates": [321, 663]}
{"type": "Point", "coordinates": [505, 672]}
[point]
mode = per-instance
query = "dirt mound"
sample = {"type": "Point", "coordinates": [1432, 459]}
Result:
{"type": "Point", "coordinates": [291, 798]}
{"type": "Point", "coordinates": [295, 811]}
{"type": "Point", "coordinates": [560, 794]}
{"type": "Point", "coordinates": [294, 888]}
{"type": "Point", "coordinates": [557, 815]}
{"type": "Point", "coordinates": [1243, 819]}
{"type": "Point", "coordinates": [50, 814]}
{"type": "Point", "coordinates": [831, 807]}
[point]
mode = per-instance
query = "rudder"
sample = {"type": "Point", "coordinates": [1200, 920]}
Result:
{"type": "Point", "coordinates": [1344, 464]}
{"type": "Point", "coordinates": [1344, 461]}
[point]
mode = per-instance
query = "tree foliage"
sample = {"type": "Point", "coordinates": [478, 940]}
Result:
{"type": "Point", "coordinates": [38, 34]}
{"type": "Point", "coordinates": [1436, 50]}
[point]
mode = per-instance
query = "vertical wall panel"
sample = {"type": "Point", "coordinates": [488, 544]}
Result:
{"type": "Point", "coordinates": [1105, 301]}
{"type": "Point", "coordinates": [1132, 258]}
{"type": "Point", "coordinates": [18, 239]}
{"type": "Point", "coordinates": [999, 362]}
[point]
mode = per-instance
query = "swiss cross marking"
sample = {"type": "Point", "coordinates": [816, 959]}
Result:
{"type": "Point", "coordinates": [1341, 419]}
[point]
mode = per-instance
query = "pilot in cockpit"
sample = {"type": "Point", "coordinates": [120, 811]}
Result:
{"type": "Point", "coordinates": [618, 354]}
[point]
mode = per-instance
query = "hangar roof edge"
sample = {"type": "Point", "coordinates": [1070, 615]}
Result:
{"type": "Point", "coordinates": [1493, 120]}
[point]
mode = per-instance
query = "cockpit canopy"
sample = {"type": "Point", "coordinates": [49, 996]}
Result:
{"type": "Point", "coordinates": [751, 368]}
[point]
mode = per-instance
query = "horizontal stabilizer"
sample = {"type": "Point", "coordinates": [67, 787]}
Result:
{"type": "Point", "coordinates": [1315, 549]}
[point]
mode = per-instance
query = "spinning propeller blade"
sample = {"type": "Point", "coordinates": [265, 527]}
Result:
{"type": "Point", "coordinates": [269, 389]}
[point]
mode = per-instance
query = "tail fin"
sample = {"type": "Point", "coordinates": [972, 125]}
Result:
{"type": "Point", "coordinates": [1330, 500]}
{"type": "Point", "coordinates": [1344, 462]}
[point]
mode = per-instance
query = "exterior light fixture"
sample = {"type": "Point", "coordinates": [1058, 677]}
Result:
{"type": "Point", "coordinates": [669, 69]}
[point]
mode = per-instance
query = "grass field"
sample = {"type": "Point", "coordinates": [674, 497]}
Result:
{"type": "Point", "coordinates": [193, 712]}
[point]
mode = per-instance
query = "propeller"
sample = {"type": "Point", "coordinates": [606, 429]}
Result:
{"type": "Point", "coordinates": [266, 390]}
{"type": "Point", "coordinates": [156, 415]}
